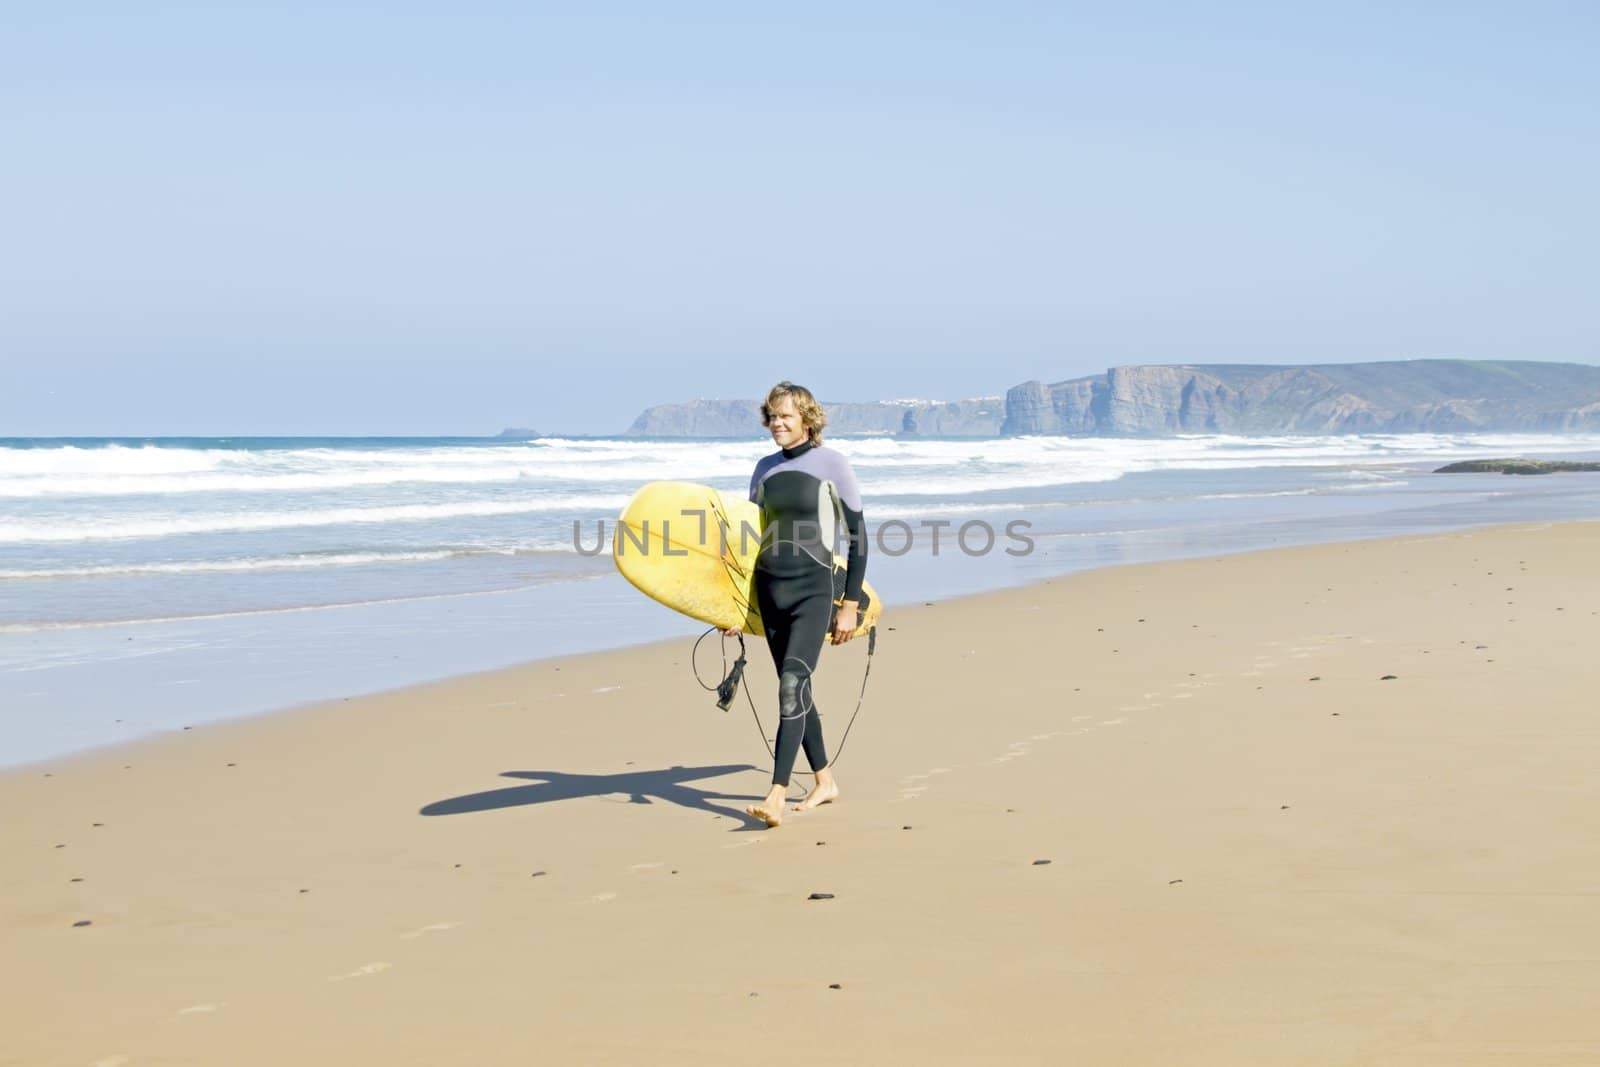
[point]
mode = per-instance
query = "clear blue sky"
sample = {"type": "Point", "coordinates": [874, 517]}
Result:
{"type": "Point", "coordinates": [219, 218]}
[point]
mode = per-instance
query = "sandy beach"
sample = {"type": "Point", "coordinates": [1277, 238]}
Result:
{"type": "Point", "coordinates": [1325, 805]}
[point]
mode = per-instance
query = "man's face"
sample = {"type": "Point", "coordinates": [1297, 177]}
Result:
{"type": "Point", "coordinates": [785, 424]}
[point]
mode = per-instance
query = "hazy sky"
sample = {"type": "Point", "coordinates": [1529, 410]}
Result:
{"type": "Point", "coordinates": [220, 218]}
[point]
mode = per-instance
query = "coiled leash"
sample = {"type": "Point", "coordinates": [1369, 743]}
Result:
{"type": "Point", "coordinates": [734, 676]}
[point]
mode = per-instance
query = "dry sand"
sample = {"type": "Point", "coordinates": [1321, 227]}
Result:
{"type": "Point", "coordinates": [1260, 850]}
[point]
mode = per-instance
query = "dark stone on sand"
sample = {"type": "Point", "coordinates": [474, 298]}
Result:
{"type": "Point", "coordinates": [835, 985]}
{"type": "Point", "coordinates": [74, 879]}
{"type": "Point", "coordinates": [1176, 881]}
{"type": "Point", "coordinates": [1041, 863]}
{"type": "Point", "coordinates": [820, 896]}
{"type": "Point", "coordinates": [905, 827]}
{"type": "Point", "coordinates": [97, 824]}
{"type": "Point", "coordinates": [84, 922]}
{"type": "Point", "coordinates": [1315, 678]}
{"type": "Point", "coordinates": [1515, 466]}
{"type": "Point", "coordinates": [822, 842]}
{"type": "Point", "coordinates": [1388, 678]}
{"type": "Point", "coordinates": [541, 874]}
{"type": "Point", "coordinates": [61, 846]}
{"type": "Point", "coordinates": [305, 890]}
{"type": "Point", "coordinates": [1283, 807]}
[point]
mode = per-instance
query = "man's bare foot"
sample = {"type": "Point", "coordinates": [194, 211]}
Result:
{"type": "Point", "coordinates": [823, 792]}
{"type": "Point", "coordinates": [770, 810]}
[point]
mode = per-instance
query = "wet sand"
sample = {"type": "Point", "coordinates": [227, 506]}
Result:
{"type": "Point", "coordinates": [1327, 805]}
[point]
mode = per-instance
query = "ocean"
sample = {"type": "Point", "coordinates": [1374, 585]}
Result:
{"type": "Point", "coordinates": [152, 584]}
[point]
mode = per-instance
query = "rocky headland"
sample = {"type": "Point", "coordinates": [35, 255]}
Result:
{"type": "Point", "coordinates": [1426, 395]}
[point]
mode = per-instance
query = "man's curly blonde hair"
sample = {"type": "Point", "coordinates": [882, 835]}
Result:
{"type": "Point", "coordinates": [811, 413]}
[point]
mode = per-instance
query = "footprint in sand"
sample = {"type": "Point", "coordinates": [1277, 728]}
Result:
{"type": "Point", "coordinates": [645, 866]}
{"type": "Point", "coordinates": [117, 1060]}
{"type": "Point", "coordinates": [1112, 722]}
{"type": "Point", "coordinates": [429, 929]}
{"type": "Point", "coordinates": [361, 972]}
{"type": "Point", "coordinates": [202, 1009]}
{"type": "Point", "coordinates": [606, 689]}
{"type": "Point", "coordinates": [601, 898]}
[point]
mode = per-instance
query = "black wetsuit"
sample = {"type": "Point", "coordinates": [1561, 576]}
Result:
{"type": "Point", "coordinates": [803, 492]}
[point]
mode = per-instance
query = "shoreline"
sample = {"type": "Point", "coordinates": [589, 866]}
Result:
{"type": "Point", "coordinates": [189, 672]}
{"type": "Point", "coordinates": [1324, 804]}
{"type": "Point", "coordinates": [668, 619]}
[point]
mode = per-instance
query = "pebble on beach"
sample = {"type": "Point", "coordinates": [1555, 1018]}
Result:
{"type": "Point", "coordinates": [820, 896]}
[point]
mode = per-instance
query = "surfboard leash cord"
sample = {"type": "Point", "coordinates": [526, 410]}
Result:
{"type": "Point", "coordinates": [733, 677]}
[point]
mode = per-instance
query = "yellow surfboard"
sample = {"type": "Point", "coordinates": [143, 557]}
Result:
{"type": "Point", "coordinates": [694, 549]}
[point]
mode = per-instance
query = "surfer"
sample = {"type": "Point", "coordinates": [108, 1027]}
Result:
{"type": "Point", "coordinates": [804, 489]}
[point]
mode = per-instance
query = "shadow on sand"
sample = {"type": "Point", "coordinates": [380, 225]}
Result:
{"type": "Point", "coordinates": [640, 787]}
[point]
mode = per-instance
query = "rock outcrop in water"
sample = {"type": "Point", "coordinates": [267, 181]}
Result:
{"type": "Point", "coordinates": [1428, 395]}
{"type": "Point", "coordinates": [1516, 466]}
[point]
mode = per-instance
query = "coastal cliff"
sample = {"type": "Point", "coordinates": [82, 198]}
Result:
{"type": "Point", "coordinates": [1401, 397]}
{"type": "Point", "coordinates": [1430, 395]}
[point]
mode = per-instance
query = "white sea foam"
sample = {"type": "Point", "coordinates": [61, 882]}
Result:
{"type": "Point", "coordinates": [116, 527]}
{"type": "Point", "coordinates": [895, 465]}
{"type": "Point", "coordinates": [275, 563]}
